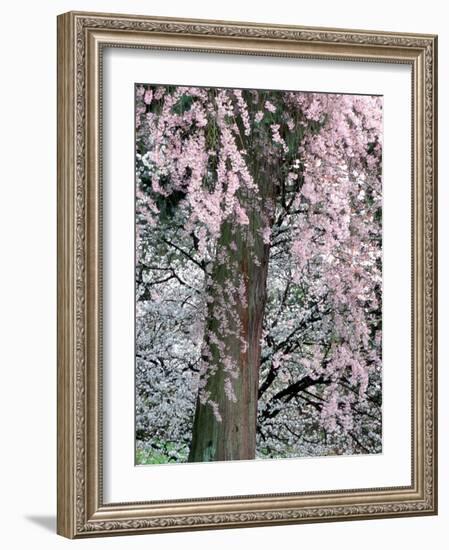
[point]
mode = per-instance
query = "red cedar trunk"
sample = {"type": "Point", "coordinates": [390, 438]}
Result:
{"type": "Point", "coordinates": [234, 437]}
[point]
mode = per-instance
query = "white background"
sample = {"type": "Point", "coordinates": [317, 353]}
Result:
{"type": "Point", "coordinates": [28, 274]}
{"type": "Point", "coordinates": [122, 481]}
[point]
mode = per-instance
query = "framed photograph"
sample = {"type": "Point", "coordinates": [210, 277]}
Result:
{"type": "Point", "coordinates": [246, 274]}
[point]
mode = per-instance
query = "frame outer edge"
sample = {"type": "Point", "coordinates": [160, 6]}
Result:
{"type": "Point", "coordinates": [66, 341]}
{"type": "Point", "coordinates": [74, 495]}
{"type": "Point", "coordinates": [435, 270]}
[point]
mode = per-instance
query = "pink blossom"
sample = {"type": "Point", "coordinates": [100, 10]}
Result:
{"type": "Point", "coordinates": [270, 107]}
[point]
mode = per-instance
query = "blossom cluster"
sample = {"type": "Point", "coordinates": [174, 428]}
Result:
{"type": "Point", "coordinates": [234, 185]}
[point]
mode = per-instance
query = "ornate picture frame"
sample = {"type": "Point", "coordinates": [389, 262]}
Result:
{"type": "Point", "coordinates": [82, 40]}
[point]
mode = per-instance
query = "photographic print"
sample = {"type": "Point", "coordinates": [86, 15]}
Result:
{"type": "Point", "coordinates": [258, 274]}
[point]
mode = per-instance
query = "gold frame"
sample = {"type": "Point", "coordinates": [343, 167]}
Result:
{"type": "Point", "coordinates": [81, 37]}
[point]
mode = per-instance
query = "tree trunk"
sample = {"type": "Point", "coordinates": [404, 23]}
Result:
{"type": "Point", "coordinates": [235, 325]}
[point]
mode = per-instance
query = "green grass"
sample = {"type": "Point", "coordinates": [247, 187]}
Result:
{"type": "Point", "coordinates": [167, 453]}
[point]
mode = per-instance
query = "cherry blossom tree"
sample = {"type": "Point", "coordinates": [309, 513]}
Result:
{"type": "Point", "coordinates": [258, 272]}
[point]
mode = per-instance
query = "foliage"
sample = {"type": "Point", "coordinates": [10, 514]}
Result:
{"type": "Point", "coordinates": [290, 178]}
